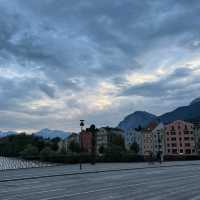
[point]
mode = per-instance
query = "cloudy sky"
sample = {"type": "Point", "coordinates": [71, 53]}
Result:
{"type": "Point", "coordinates": [66, 60]}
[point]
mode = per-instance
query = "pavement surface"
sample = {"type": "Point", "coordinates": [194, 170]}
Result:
{"type": "Point", "coordinates": [171, 180]}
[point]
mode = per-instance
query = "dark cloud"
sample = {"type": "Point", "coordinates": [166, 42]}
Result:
{"type": "Point", "coordinates": [172, 85]}
{"type": "Point", "coordinates": [65, 49]}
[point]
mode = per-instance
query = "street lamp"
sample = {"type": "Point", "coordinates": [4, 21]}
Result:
{"type": "Point", "coordinates": [81, 146]}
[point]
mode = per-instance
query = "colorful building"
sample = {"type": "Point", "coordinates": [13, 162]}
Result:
{"type": "Point", "coordinates": [197, 136]}
{"type": "Point", "coordinates": [86, 141]}
{"type": "Point", "coordinates": [148, 139]}
{"type": "Point", "coordinates": [179, 138]}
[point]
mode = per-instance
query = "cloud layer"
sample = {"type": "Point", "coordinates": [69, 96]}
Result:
{"type": "Point", "coordinates": [61, 61]}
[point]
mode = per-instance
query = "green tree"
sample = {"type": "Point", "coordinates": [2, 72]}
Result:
{"type": "Point", "coordinates": [30, 152]}
{"type": "Point", "coordinates": [135, 148]}
{"type": "Point", "coordinates": [74, 147]}
{"type": "Point", "coordinates": [101, 149]}
{"type": "Point", "coordinates": [118, 140]}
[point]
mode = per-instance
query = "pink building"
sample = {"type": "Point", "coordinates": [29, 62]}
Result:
{"type": "Point", "coordinates": [179, 138]}
{"type": "Point", "coordinates": [86, 141]}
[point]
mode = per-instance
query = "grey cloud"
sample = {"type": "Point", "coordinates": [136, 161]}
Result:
{"type": "Point", "coordinates": [48, 90]}
{"type": "Point", "coordinates": [74, 45]}
{"type": "Point", "coordinates": [171, 85]}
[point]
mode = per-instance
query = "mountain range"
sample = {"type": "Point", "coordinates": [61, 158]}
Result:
{"type": "Point", "coordinates": [50, 134]}
{"type": "Point", "coordinates": [7, 133]}
{"type": "Point", "coordinates": [142, 118]}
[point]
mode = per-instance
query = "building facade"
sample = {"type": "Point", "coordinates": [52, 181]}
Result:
{"type": "Point", "coordinates": [197, 136]}
{"type": "Point", "coordinates": [134, 136]}
{"type": "Point", "coordinates": [148, 139]}
{"type": "Point", "coordinates": [64, 144]}
{"type": "Point", "coordinates": [86, 141]}
{"type": "Point", "coordinates": [105, 136]}
{"type": "Point", "coordinates": [159, 140]}
{"type": "Point", "coordinates": [179, 138]}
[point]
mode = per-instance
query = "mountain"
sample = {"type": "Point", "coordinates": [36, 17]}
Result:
{"type": "Point", "coordinates": [50, 134]}
{"type": "Point", "coordinates": [6, 133]}
{"type": "Point", "coordinates": [187, 113]}
{"type": "Point", "coordinates": [197, 100]}
{"type": "Point", "coordinates": [138, 118]}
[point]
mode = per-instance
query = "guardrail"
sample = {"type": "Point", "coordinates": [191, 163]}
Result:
{"type": "Point", "coordinates": [14, 163]}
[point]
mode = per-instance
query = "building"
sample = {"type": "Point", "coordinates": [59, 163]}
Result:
{"type": "Point", "coordinates": [159, 140]}
{"type": "Point", "coordinates": [105, 137]}
{"type": "Point", "coordinates": [86, 141]}
{"type": "Point", "coordinates": [197, 136]}
{"type": "Point", "coordinates": [134, 136]}
{"type": "Point", "coordinates": [148, 139]}
{"type": "Point", "coordinates": [64, 144]}
{"type": "Point", "coordinates": [179, 138]}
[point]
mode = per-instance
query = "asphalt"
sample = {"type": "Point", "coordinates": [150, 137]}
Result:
{"type": "Point", "coordinates": [175, 180]}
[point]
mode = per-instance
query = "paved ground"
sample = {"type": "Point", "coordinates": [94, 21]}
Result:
{"type": "Point", "coordinates": [178, 180]}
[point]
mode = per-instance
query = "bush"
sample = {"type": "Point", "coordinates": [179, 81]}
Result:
{"type": "Point", "coordinates": [30, 152]}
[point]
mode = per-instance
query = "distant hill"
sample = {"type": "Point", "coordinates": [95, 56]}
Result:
{"type": "Point", "coordinates": [187, 113]}
{"type": "Point", "coordinates": [138, 118]}
{"type": "Point", "coordinates": [7, 133]}
{"type": "Point", "coordinates": [50, 134]}
{"type": "Point", "coordinates": [197, 100]}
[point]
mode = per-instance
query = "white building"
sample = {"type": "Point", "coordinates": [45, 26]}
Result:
{"type": "Point", "coordinates": [134, 136]}
{"type": "Point", "coordinates": [159, 140]}
{"type": "Point", "coordinates": [64, 144]}
{"type": "Point", "coordinates": [105, 136]}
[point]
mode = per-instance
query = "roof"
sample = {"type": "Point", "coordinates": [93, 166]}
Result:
{"type": "Point", "coordinates": [151, 126]}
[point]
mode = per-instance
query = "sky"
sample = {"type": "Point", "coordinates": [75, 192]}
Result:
{"type": "Point", "coordinates": [66, 60]}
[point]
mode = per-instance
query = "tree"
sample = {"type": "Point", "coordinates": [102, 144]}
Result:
{"type": "Point", "coordinates": [74, 147]}
{"type": "Point", "coordinates": [30, 152]}
{"type": "Point", "coordinates": [93, 130]}
{"type": "Point", "coordinates": [118, 140]}
{"type": "Point", "coordinates": [46, 154]}
{"type": "Point", "coordinates": [101, 149]}
{"type": "Point", "coordinates": [135, 148]}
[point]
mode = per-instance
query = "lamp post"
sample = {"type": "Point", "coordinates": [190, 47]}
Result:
{"type": "Point", "coordinates": [81, 146]}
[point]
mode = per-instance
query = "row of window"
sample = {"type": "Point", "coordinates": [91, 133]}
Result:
{"type": "Point", "coordinates": [175, 145]}
{"type": "Point", "coordinates": [180, 138]}
{"type": "Point", "coordinates": [187, 151]}
{"type": "Point", "coordinates": [180, 133]}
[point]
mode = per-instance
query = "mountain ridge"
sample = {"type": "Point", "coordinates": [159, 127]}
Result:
{"type": "Point", "coordinates": [189, 112]}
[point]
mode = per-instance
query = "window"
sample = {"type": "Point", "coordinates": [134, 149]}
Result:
{"type": "Point", "coordinates": [173, 133]}
{"type": "Point", "coordinates": [174, 151]}
{"type": "Point", "coordinates": [174, 145]}
{"type": "Point", "coordinates": [181, 150]}
{"type": "Point", "coordinates": [168, 145]}
{"type": "Point", "coordinates": [186, 138]}
{"type": "Point", "coordinates": [187, 144]}
{"type": "Point", "coordinates": [173, 139]}
{"type": "Point", "coordinates": [188, 151]}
